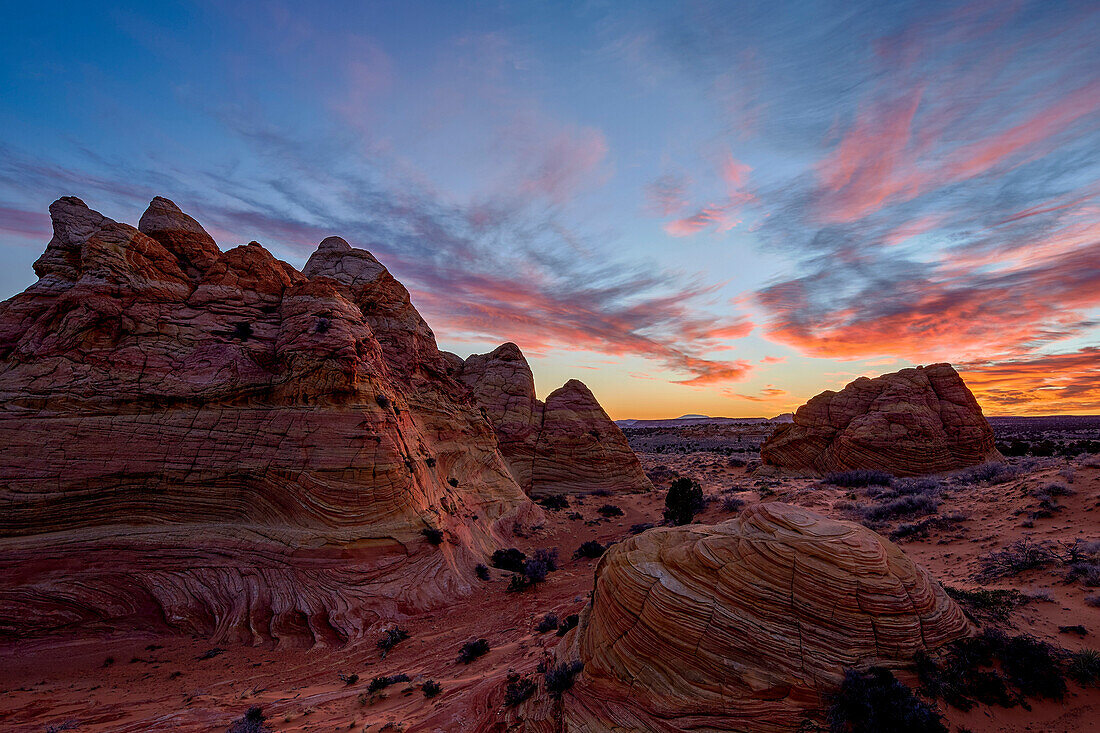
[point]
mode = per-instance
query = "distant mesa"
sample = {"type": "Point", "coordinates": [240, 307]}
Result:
{"type": "Point", "coordinates": [216, 443]}
{"type": "Point", "coordinates": [567, 445]}
{"type": "Point", "coordinates": [745, 625]}
{"type": "Point", "coordinates": [693, 417]}
{"type": "Point", "coordinates": [911, 422]}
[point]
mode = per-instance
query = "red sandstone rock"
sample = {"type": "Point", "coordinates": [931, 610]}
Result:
{"type": "Point", "coordinates": [743, 625]}
{"type": "Point", "coordinates": [567, 445]}
{"type": "Point", "coordinates": [911, 422]}
{"type": "Point", "coordinates": [216, 443]}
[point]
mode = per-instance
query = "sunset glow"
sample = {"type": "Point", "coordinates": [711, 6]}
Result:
{"type": "Point", "coordinates": [694, 208]}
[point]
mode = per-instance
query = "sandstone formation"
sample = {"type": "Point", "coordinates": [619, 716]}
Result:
{"type": "Point", "coordinates": [568, 445]}
{"type": "Point", "coordinates": [743, 625]}
{"type": "Point", "coordinates": [915, 421]}
{"type": "Point", "coordinates": [216, 443]}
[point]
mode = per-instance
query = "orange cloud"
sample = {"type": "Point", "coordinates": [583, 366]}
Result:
{"type": "Point", "coordinates": [1043, 385]}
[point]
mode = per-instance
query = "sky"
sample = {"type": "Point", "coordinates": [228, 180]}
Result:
{"type": "Point", "coordinates": [716, 208]}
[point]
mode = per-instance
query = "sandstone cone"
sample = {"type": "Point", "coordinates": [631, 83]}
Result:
{"type": "Point", "coordinates": [911, 422]}
{"type": "Point", "coordinates": [568, 445]}
{"type": "Point", "coordinates": [216, 443]}
{"type": "Point", "coordinates": [742, 625]}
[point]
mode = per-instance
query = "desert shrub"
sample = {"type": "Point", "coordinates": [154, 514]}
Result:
{"type": "Point", "coordinates": [471, 650]}
{"type": "Point", "coordinates": [1093, 600]}
{"type": "Point", "coordinates": [1032, 666]}
{"type": "Point", "coordinates": [642, 527]}
{"type": "Point", "coordinates": [911, 505]}
{"type": "Point", "coordinates": [859, 478]}
{"type": "Point", "coordinates": [391, 638]}
{"type": "Point", "coordinates": [549, 623]}
{"type": "Point", "coordinates": [430, 688]}
{"type": "Point", "coordinates": [518, 690]}
{"type": "Point", "coordinates": [967, 670]}
{"type": "Point", "coordinates": [211, 653]}
{"type": "Point", "coordinates": [323, 325]}
{"type": "Point", "coordinates": [548, 557]}
{"type": "Point", "coordinates": [554, 502]}
{"type": "Point", "coordinates": [568, 623]}
{"type": "Point", "coordinates": [590, 549]}
{"type": "Point", "coordinates": [959, 676]}
{"type": "Point", "coordinates": [1087, 572]}
{"type": "Point", "coordinates": [251, 722]}
{"type": "Point", "coordinates": [988, 473]}
{"type": "Point", "coordinates": [683, 501]}
{"type": "Point", "coordinates": [920, 528]}
{"type": "Point", "coordinates": [559, 678]}
{"type": "Point", "coordinates": [381, 683]}
{"type": "Point", "coordinates": [732, 504]}
{"type": "Point", "coordinates": [1054, 488]}
{"type": "Point", "coordinates": [875, 701]}
{"type": "Point", "coordinates": [610, 510]}
{"type": "Point", "coordinates": [432, 535]}
{"type": "Point", "coordinates": [923, 485]}
{"type": "Point", "coordinates": [347, 679]}
{"type": "Point", "coordinates": [1084, 667]}
{"type": "Point", "coordinates": [1076, 630]}
{"type": "Point", "coordinates": [453, 482]}
{"type": "Point", "coordinates": [518, 583]}
{"type": "Point", "coordinates": [481, 571]}
{"type": "Point", "coordinates": [602, 493]}
{"type": "Point", "coordinates": [994, 605]}
{"type": "Point", "coordinates": [382, 400]}
{"type": "Point", "coordinates": [1021, 555]}
{"type": "Point", "coordinates": [510, 559]}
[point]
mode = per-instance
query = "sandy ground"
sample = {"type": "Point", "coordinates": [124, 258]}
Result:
{"type": "Point", "coordinates": [160, 683]}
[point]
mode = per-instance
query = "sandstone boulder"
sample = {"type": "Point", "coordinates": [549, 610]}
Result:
{"type": "Point", "coordinates": [915, 421]}
{"type": "Point", "coordinates": [568, 445]}
{"type": "Point", "coordinates": [215, 443]}
{"type": "Point", "coordinates": [743, 626]}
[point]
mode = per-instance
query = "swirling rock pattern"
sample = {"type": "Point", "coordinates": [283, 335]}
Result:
{"type": "Point", "coordinates": [568, 445]}
{"type": "Point", "coordinates": [742, 625]}
{"type": "Point", "coordinates": [217, 443]}
{"type": "Point", "coordinates": [912, 422]}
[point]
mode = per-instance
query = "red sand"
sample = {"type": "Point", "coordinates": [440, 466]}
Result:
{"type": "Point", "coordinates": [159, 683]}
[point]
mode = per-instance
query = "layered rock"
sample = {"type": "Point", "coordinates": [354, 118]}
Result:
{"type": "Point", "coordinates": [915, 421]}
{"type": "Point", "coordinates": [568, 445]}
{"type": "Point", "coordinates": [744, 625]}
{"type": "Point", "coordinates": [216, 443]}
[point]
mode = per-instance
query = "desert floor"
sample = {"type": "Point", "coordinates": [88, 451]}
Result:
{"type": "Point", "coordinates": [141, 682]}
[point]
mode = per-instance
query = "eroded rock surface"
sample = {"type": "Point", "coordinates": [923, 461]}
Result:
{"type": "Point", "coordinates": [568, 445]}
{"type": "Point", "coordinates": [216, 443]}
{"type": "Point", "coordinates": [742, 625]}
{"type": "Point", "coordinates": [915, 421]}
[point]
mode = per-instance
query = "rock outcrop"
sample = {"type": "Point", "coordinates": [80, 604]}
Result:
{"type": "Point", "coordinates": [912, 422]}
{"type": "Point", "coordinates": [568, 445]}
{"type": "Point", "coordinates": [216, 443]}
{"type": "Point", "coordinates": [743, 626]}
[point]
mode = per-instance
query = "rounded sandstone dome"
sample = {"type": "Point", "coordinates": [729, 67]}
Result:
{"type": "Point", "coordinates": [750, 620]}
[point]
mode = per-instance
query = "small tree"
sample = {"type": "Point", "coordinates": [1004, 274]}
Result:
{"type": "Point", "coordinates": [683, 501]}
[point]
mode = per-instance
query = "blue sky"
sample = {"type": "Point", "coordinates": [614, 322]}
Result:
{"type": "Point", "coordinates": [693, 207]}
